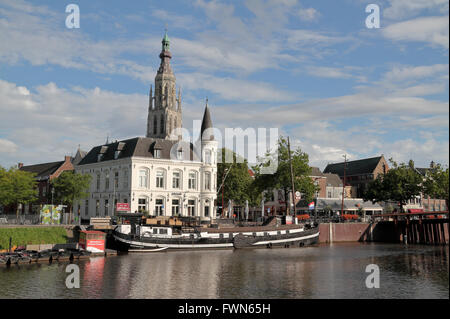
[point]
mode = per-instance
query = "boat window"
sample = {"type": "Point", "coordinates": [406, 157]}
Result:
{"type": "Point", "coordinates": [279, 232]}
{"type": "Point", "coordinates": [221, 236]}
{"type": "Point", "coordinates": [230, 235]}
{"type": "Point", "coordinates": [191, 236]}
{"type": "Point", "coordinates": [254, 234]}
{"type": "Point", "coordinates": [163, 231]}
{"type": "Point", "coordinates": [155, 231]}
{"type": "Point", "coordinates": [287, 231]}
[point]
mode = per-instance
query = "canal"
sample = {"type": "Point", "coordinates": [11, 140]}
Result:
{"type": "Point", "coordinates": [324, 271]}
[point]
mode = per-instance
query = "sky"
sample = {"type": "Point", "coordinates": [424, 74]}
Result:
{"type": "Point", "coordinates": [312, 69]}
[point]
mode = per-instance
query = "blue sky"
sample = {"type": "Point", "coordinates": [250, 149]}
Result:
{"type": "Point", "coordinates": [310, 68]}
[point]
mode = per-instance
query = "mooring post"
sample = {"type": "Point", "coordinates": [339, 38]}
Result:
{"type": "Point", "coordinates": [10, 242]}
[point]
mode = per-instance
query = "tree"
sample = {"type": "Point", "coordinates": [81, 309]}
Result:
{"type": "Point", "coordinates": [70, 187]}
{"type": "Point", "coordinates": [17, 187]}
{"type": "Point", "coordinates": [400, 184]}
{"type": "Point", "coordinates": [281, 179]}
{"type": "Point", "coordinates": [238, 185]}
{"type": "Point", "coordinates": [436, 183]}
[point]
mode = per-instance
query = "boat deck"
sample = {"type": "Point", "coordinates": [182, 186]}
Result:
{"type": "Point", "coordinates": [238, 229]}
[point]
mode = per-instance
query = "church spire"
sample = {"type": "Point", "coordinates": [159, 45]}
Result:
{"type": "Point", "coordinates": [207, 123]}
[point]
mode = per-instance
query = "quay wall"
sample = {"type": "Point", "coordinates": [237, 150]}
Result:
{"type": "Point", "coordinates": [384, 231]}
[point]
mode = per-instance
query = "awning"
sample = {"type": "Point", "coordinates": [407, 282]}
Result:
{"type": "Point", "coordinates": [415, 210]}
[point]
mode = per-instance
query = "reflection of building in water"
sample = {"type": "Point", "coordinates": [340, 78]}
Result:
{"type": "Point", "coordinates": [93, 277]}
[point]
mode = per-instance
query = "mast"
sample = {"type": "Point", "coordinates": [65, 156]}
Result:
{"type": "Point", "coordinates": [292, 176]}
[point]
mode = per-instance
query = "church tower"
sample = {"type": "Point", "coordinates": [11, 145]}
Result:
{"type": "Point", "coordinates": [164, 109]}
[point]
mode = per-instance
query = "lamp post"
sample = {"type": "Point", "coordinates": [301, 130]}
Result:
{"type": "Point", "coordinates": [51, 214]}
{"type": "Point", "coordinates": [343, 186]}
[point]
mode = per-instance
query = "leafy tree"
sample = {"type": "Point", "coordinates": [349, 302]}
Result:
{"type": "Point", "coordinates": [70, 187]}
{"type": "Point", "coordinates": [281, 179]}
{"type": "Point", "coordinates": [17, 187]}
{"type": "Point", "coordinates": [238, 185]}
{"type": "Point", "coordinates": [400, 184]}
{"type": "Point", "coordinates": [436, 183]}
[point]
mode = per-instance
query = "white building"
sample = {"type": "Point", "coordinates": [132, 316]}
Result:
{"type": "Point", "coordinates": [159, 175]}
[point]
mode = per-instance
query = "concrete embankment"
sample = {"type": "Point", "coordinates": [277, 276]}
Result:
{"type": "Point", "coordinates": [376, 232]}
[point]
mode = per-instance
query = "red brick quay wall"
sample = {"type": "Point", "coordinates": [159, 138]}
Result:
{"type": "Point", "coordinates": [425, 232]}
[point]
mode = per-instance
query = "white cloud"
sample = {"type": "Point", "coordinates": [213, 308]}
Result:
{"type": "Point", "coordinates": [431, 30]}
{"type": "Point", "coordinates": [408, 73]}
{"type": "Point", "coordinates": [400, 9]}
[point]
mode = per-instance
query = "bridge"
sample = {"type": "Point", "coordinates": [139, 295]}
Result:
{"type": "Point", "coordinates": [419, 227]}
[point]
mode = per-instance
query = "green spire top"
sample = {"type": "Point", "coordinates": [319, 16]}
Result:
{"type": "Point", "coordinates": [165, 42]}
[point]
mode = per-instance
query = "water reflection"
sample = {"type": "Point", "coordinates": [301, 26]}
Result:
{"type": "Point", "coordinates": [327, 271]}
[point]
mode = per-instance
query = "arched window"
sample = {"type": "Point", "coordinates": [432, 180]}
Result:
{"type": "Point", "coordinates": [207, 181]}
{"type": "Point", "coordinates": [162, 124]}
{"type": "Point", "coordinates": [160, 179]}
{"type": "Point", "coordinates": [143, 178]}
{"type": "Point", "coordinates": [176, 180]}
{"type": "Point", "coordinates": [192, 180]}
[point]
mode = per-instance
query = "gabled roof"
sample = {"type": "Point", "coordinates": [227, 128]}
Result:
{"type": "Point", "coordinates": [333, 180]}
{"type": "Point", "coordinates": [315, 171]}
{"type": "Point", "coordinates": [42, 170]}
{"type": "Point", "coordinates": [358, 167]}
{"type": "Point", "coordinates": [136, 147]}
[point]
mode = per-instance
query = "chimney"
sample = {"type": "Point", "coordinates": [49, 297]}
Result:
{"type": "Point", "coordinates": [67, 158]}
{"type": "Point", "coordinates": [20, 165]}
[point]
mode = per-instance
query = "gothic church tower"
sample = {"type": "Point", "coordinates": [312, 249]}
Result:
{"type": "Point", "coordinates": [164, 110]}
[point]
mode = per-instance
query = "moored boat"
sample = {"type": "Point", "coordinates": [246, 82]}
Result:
{"type": "Point", "coordinates": [136, 236]}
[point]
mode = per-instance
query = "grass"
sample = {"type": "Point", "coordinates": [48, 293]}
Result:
{"type": "Point", "coordinates": [32, 235]}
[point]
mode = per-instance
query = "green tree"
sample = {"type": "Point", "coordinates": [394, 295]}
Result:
{"type": "Point", "coordinates": [71, 187]}
{"type": "Point", "coordinates": [400, 184]}
{"type": "Point", "coordinates": [436, 183]}
{"type": "Point", "coordinates": [238, 185]}
{"type": "Point", "coordinates": [17, 187]}
{"type": "Point", "coordinates": [281, 179]}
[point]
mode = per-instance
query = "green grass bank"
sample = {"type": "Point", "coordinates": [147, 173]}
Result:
{"type": "Point", "coordinates": [32, 235]}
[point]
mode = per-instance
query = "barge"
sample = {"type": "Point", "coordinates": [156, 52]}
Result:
{"type": "Point", "coordinates": [137, 236]}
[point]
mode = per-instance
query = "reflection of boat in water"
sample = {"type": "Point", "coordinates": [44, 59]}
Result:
{"type": "Point", "coordinates": [135, 235]}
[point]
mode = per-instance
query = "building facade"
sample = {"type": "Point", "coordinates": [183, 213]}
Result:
{"type": "Point", "coordinates": [158, 175]}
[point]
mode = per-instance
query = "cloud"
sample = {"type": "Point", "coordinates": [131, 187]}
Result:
{"type": "Point", "coordinates": [431, 30]}
{"type": "Point", "coordinates": [400, 9]}
{"type": "Point", "coordinates": [408, 73]}
{"type": "Point", "coordinates": [346, 72]}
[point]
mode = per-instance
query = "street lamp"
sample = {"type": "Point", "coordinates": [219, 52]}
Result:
{"type": "Point", "coordinates": [51, 214]}
{"type": "Point", "coordinates": [343, 185]}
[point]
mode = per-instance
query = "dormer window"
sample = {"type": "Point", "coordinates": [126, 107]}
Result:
{"type": "Point", "coordinates": [116, 154]}
{"type": "Point", "coordinates": [157, 153]}
{"type": "Point", "coordinates": [180, 154]}
{"type": "Point", "coordinates": [99, 157]}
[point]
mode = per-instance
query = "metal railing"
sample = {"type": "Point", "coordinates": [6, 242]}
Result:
{"type": "Point", "coordinates": [19, 220]}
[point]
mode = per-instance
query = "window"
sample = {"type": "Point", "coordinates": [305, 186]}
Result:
{"type": "Point", "coordinates": [329, 194]}
{"type": "Point", "coordinates": [116, 180]}
{"type": "Point", "coordinates": [180, 154]}
{"type": "Point", "coordinates": [107, 180]}
{"type": "Point", "coordinates": [208, 157]}
{"type": "Point", "coordinates": [97, 208]}
{"type": "Point", "coordinates": [162, 124]}
{"type": "Point", "coordinates": [143, 178]}
{"type": "Point", "coordinates": [116, 154]}
{"type": "Point", "coordinates": [106, 207]}
{"type": "Point", "coordinates": [159, 207]}
{"type": "Point", "coordinates": [86, 207]}
{"type": "Point", "coordinates": [98, 181]}
{"type": "Point", "coordinates": [176, 180]}
{"type": "Point", "coordinates": [207, 180]}
{"type": "Point", "coordinates": [191, 181]}
{"type": "Point", "coordinates": [191, 207]}
{"type": "Point", "coordinates": [160, 179]}
{"type": "Point", "coordinates": [175, 207]}
{"type": "Point", "coordinates": [125, 179]}
{"type": "Point", "coordinates": [206, 211]}
{"type": "Point", "coordinates": [142, 205]}
{"type": "Point", "coordinates": [157, 153]}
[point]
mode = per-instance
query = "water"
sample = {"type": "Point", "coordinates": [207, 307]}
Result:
{"type": "Point", "coordinates": [325, 271]}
